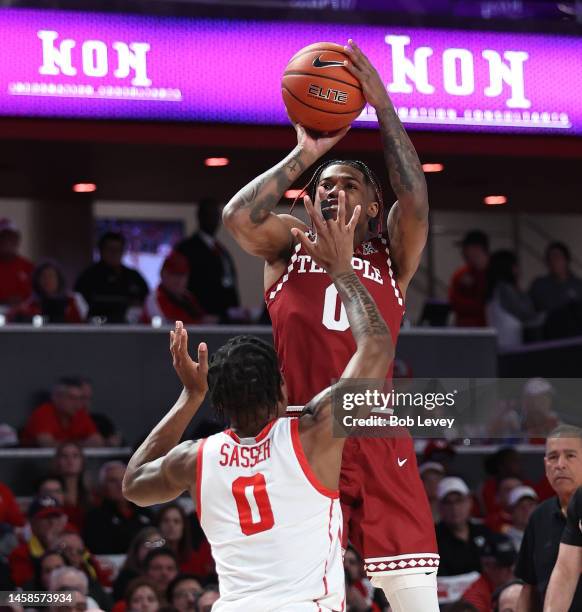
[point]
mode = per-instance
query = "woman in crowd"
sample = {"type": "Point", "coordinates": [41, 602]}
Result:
{"type": "Point", "coordinates": [142, 596]}
{"type": "Point", "coordinates": [51, 299]}
{"type": "Point", "coordinates": [51, 560]}
{"type": "Point", "coordinates": [147, 539]}
{"type": "Point", "coordinates": [69, 466]}
{"type": "Point", "coordinates": [175, 529]}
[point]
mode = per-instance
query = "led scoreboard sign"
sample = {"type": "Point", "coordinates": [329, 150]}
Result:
{"type": "Point", "coordinates": [111, 66]}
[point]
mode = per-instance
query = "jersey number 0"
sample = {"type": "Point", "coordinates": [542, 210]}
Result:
{"type": "Point", "coordinates": [252, 502]}
{"type": "Point", "coordinates": [335, 316]}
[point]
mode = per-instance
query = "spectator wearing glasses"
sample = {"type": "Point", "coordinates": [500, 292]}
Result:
{"type": "Point", "coordinates": [61, 419]}
{"type": "Point", "coordinates": [73, 548]}
{"type": "Point", "coordinates": [111, 526]}
{"type": "Point", "coordinates": [47, 522]}
{"type": "Point", "coordinates": [183, 592]}
{"type": "Point", "coordinates": [149, 538]}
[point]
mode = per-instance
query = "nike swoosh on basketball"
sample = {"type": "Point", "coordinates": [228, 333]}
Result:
{"type": "Point", "coordinates": [319, 63]}
{"type": "Point", "coordinates": [401, 462]}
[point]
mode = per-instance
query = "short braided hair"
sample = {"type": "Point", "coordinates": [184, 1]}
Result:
{"type": "Point", "coordinates": [369, 176]}
{"type": "Point", "coordinates": [244, 380]}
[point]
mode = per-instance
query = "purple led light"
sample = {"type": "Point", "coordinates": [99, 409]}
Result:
{"type": "Point", "coordinates": [88, 65]}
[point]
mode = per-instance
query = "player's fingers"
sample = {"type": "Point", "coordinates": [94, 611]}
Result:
{"type": "Point", "coordinates": [172, 340]}
{"type": "Point", "coordinates": [303, 239]}
{"type": "Point", "coordinates": [354, 220]}
{"type": "Point", "coordinates": [315, 215]}
{"type": "Point", "coordinates": [203, 357]}
{"type": "Point", "coordinates": [184, 342]}
{"type": "Point", "coordinates": [341, 209]}
{"type": "Point", "coordinates": [353, 69]}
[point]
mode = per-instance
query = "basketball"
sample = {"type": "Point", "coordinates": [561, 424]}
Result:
{"type": "Point", "coordinates": [318, 90]}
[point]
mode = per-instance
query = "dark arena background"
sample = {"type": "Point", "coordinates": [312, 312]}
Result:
{"type": "Point", "coordinates": [127, 125]}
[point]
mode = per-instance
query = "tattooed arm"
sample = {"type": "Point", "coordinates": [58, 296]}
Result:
{"type": "Point", "coordinates": [333, 249]}
{"type": "Point", "coordinates": [408, 218]}
{"type": "Point", "coordinates": [250, 215]}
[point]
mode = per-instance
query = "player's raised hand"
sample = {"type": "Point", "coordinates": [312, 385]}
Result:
{"type": "Point", "coordinates": [361, 67]}
{"type": "Point", "coordinates": [317, 144]}
{"type": "Point", "coordinates": [192, 374]}
{"type": "Point", "coordinates": [333, 245]}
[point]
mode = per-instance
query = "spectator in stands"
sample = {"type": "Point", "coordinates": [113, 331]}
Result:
{"type": "Point", "coordinates": [172, 301]}
{"type": "Point", "coordinates": [500, 520]}
{"type": "Point", "coordinates": [468, 286]}
{"type": "Point", "coordinates": [505, 598]}
{"type": "Point", "coordinates": [559, 294]}
{"type": "Point", "coordinates": [161, 566]}
{"type": "Point", "coordinates": [208, 597]}
{"type": "Point", "coordinates": [504, 463]}
{"type": "Point", "coordinates": [73, 548]}
{"type": "Point", "coordinates": [459, 539]}
{"type": "Point", "coordinates": [47, 523]}
{"type": "Point", "coordinates": [497, 560]}
{"type": "Point", "coordinates": [71, 579]}
{"type": "Point", "coordinates": [183, 591]}
{"type": "Point", "coordinates": [107, 430]}
{"type": "Point", "coordinates": [509, 309]}
{"type": "Point", "coordinates": [541, 540]}
{"type": "Point", "coordinates": [50, 560]}
{"type": "Point", "coordinates": [149, 538]}
{"type": "Point", "coordinates": [212, 272]}
{"type": "Point", "coordinates": [522, 501]}
{"type": "Point", "coordinates": [62, 419]}
{"type": "Point", "coordinates": [110, 527]}
{"type": "Point", "coordinates": [175, 529]}
{"type": "Point", "coordinates": [142, 596]}
{"type": "Point", "coordinates": [51, 299]}
{"type": "Point", "coordinates": [15, 270]}
{"type": "Point", "coordinates": [110, 288]}
{"type": "Point", "coordinates": [359, 589]}
{"type": "Point", "coordinates": [537, 413]}
{"type": "Point", "coordinates": [9, 509]}
{"type": "Point", "coordinates": [431, 473]}
{"type": "Point", "coordinates": [69, 468]}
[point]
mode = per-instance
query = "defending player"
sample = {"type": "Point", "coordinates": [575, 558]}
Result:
{"type": "Point", "coordinates": [383, 500]}
{"type": "Point", "coordinates": [266, 490]}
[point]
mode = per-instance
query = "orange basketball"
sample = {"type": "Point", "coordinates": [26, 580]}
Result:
{"type": "Point", "coordinates": [318, 90]}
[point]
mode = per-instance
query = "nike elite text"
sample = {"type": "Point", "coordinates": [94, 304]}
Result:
{"type": "Point", "coordinates": [332, 95]}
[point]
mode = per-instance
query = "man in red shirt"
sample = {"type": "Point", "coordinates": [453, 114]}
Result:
{"type": "Point", "coordinates": [9, 509]}
{"type": "Point", "coordinates": [497, 562]}
{"type": "Point", "coordinates": [468, 289]}
{"type": "Point", "coordinates": [64, 419]}
{"type": "Point", "coordinates": [47, 522]}
{"type": "Point", "coordinates": [15, 271]}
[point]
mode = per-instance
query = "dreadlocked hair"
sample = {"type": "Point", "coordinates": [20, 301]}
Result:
{"type": "Point", "coordinates": [369, 176]}
{"type": "Point", "coordinates": [244, 380]}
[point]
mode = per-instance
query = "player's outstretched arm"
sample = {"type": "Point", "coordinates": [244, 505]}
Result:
{"type": "Point", "coordinates": [250, 216]}
{"type": "Point", "coordinates": [333, 249]}
{"type": "Point", "coordinates": [408, 218]}
{"type": "Point", "coordinates": [161, 469]}
{"type": "Point", "coordinates": [564, 579]}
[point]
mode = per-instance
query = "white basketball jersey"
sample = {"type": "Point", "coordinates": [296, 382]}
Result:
{"type": "Point", "coordinates": [275, 531]}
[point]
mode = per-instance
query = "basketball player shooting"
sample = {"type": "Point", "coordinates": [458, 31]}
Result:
{"type": "Point", "coordinates": [386, 512]}
{"type": "Point", "coordinates": [266, 490]}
